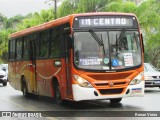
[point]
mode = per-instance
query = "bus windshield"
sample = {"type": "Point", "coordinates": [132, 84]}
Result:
{"type": "Point", "coordinates": [120, 50]}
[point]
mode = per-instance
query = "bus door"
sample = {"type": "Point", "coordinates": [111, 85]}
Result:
{"type": "Point", "coordinates": [67, 44]}
{"type": "Point", "coordinates": [33, 82]}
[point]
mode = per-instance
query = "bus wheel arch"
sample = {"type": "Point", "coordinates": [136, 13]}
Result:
{"type": "Point", "coordinates": [57, 91]}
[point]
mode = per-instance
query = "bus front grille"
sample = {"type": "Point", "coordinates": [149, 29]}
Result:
{"type": "Point", "coordinates": [111, 76]}
{"type": "Point", "coordinates": [107, 84]}
{"type": "Point", "coordinates": [111, 91]}
{"type": "Point", "coordinates": [1, 76]}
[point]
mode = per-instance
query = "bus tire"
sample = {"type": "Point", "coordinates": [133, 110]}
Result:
{"type": "Point", "coordinates": [116, 100]}
{"type": "Point", "coordinates": [57, 94]}
{"type": "Point", "coordinates": [24, 88]}
{"type": "Point", "coordinates": [5, 83]}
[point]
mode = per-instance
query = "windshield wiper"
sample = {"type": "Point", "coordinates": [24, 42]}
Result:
{"type": "Point", "coordinates": [98, 40]}
{"type": "Point", "coordinates": [121, 42]}
{"type": "Point", "coordinates": [122, 34]}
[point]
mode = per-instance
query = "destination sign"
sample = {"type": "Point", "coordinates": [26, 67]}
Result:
{"type": "Point", "coordinates": [105, 22]}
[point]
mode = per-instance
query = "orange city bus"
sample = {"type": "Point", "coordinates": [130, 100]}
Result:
{"type": "Point", "coordinates": [87, 56]}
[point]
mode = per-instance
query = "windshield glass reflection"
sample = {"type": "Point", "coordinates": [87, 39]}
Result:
{"type": "Point", "coordinates": [107, 50]}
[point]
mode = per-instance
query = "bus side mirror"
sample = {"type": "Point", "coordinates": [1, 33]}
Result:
{"type": "Point", "coordinates": [67, 30]}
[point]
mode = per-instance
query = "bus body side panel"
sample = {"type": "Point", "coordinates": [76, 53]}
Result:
{"type": "Point", "coordinates": [18, 74]}
{"type": "Point", "coordinates": [45, 73]}
{"type": "Point", "coordinates": [23, 70]}
{"type": "Point", "coordinates": [12, 74]}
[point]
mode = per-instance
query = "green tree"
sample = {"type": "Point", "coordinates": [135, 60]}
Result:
{"type": "Point", "coordinates": [12, 22]}
{"type": "Point", "coordinates": [149, 17]}
{"type": "Point", "coordinates": [67, 7]}
{"type": "Point", "coordinates": [36, 19]}
{"type": "Point", "coordinates": [4, 34]}
{"type": "Point", "coordinates": [3, 21]}
{"type": "Point", "coordinates": [93, 5]}
{"type": "Point", "coordinates": [128, 7]}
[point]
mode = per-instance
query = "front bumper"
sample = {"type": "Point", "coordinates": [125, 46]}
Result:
{"type": "Point", "coordinates": [152, 83]}
{"type": "Point", "coordinates": [2, 80]}
{"type": "Point", "coordinates": [81, 93]}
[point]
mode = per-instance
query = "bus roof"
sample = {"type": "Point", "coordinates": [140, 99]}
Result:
{"type": "Point", "coordinates": [63, 20]}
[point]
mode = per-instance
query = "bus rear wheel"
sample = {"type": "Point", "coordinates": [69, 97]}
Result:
{"type": "Point", "coordinates": [116, 100]}
{"type": "Point", "coordinates": [24, 88]}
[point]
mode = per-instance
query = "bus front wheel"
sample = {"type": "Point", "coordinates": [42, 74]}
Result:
{"type": "Point", "coordinates": [116, 100]}
{"type": "Point", "coordinates": [57, 94]}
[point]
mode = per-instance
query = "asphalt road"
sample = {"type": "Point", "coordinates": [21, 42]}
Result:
{"type": "Point", "coordinates": [13, 100]}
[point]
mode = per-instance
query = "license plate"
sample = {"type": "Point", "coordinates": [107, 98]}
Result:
{"type": "Point", "coordinates": [136, 90]}
{"type": "Point", "coordinates": [157, 82]}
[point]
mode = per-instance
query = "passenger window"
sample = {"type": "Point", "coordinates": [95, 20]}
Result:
{"type": "Point", "coordinates": [19, 49]}
{"type": "Point", "coordinates": [25, 49]}
{"type": "Point", "coordinates": [43, 44]}
{"type": "Point", "coordinates": [12, 50]}
{"type": "Point", "coordinates": [55, 43]}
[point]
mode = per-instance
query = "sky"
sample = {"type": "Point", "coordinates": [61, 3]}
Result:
{"type": "Point", "coordinates": [11, 8]}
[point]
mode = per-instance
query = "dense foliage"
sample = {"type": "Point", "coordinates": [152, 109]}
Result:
{"type": "Point", "coordinates": [148, 13]}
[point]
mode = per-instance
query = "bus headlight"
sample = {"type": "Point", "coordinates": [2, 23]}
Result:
{"type": "Point", "coordinates": [137, 79]}
{"type": "Point", "coordinates": [81, 82]}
